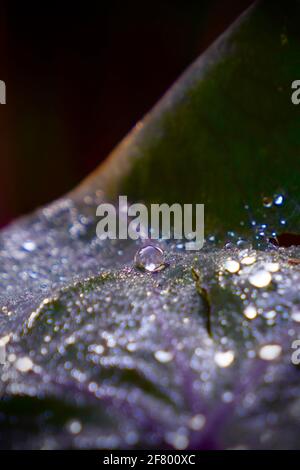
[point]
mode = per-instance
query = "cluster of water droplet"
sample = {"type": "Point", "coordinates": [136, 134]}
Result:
{"type": "Point", "coordinates": [116, 331]}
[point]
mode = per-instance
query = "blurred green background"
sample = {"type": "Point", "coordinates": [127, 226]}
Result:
{"type": "Point", "coordinates": [79, 77]}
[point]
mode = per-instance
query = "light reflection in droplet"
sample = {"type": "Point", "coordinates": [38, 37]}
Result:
{"type": "Point", "coordinates": [267, 201]}
{"type": "Point", "coordinates": [272, 267]}
{"type": "Point", "coordinates": [24, 364]}
{"type": "Point", "coordinates": [250, 312]}
{"type": "Point", "coordinates": [224, 358]}
{"type": "Point", "coordinates": [232, 266]}
{"type": "Point", "coordinates": [74, 427]}
{"type": "Point", "coordinates": [278, 200]}
{"type": "Point", "coordinates": [150, 258]}
{"type": "Point", "coordinates": [163, 356]}
{"type": "Point", "coordinates": [261, 278]}
{"type": "Point", "coordinates": [248, 260]}
{"type": "Point", "coordinates": [269, 352]}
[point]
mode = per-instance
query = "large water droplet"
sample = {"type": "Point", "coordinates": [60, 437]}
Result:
{"type": "Point", "coordinates": [261, 278]}
{"type": "Point", "coordinates": [150, 258]}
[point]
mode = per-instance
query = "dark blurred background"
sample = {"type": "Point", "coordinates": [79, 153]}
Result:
{"type": "Point", "coordinates": [79, 77]}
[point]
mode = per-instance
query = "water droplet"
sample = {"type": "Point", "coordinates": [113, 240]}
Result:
{"type": "Point", "coordinates": [177, 440]}
{"type": "Point", "coordinates": [241, 243]}
{"type": "Point", "coordinates": [29, 246]}
{"type": "Point", "coordinates": [74, 427]}
{"type": "Point", "coordinates": [111, 342]}
{"type": "Point", "coordinates": [261, 278]}
{"type": "Point", "coordinates": [269, 352]}
{"type": "Point", "coordinates": [232, 266]}
{"type": "Point", "coordinates": [278, 199]}
{"type": "Point", "coordinates": [272, 267]}
{"type": "Point", "coordinates": [250, 312]}
{"type": "Point", "coordinates": [227, 397]}
{"type": "Point", "coordinates": [163, 356]}
{"type": "Point", "coordinates": [270, 315]}
{"type": "Point", "coordinates": [248, 260]}
{"type": "Point", "coordinates": [131, 347]}
{"type": "Point", "coordinates": [197, 422]}
{"type": "Point", "coordinates": [96, 348]}
{"type": "Point", "coordinates": [150, 258]}
{"type": "Point", "coordinates": [24, 364]}
{"type": "Point", "coordinates": [224, 358]}
{"type": "Point", "coordinates": [267, 202]}
{"type": "Point", "coordinates": [4, 340]}
{"type": "Point", "coordinates": [296, 315]}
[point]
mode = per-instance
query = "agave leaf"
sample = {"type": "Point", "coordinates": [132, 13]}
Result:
{"type": "Point", "coordinates": [101, 355]}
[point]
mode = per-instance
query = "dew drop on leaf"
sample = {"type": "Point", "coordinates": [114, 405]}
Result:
{"type": "Point", "coordinates": [278, 200]}
{"type": "Point", "coordinates": [269, 352]}
{"type": "Point", "coordinates": [250, 312]}
{"type": "Point", "coordinates": [267, 202]}
{"type": "Point", "coordinates": [150, 258]}
{"type": "Point", "coordinates": [296, 315]}
{"type": "Point", "coordinates": [248, 260]}
{"type": "Point", "coordinates": [24, 364]}
{"type": "Point", "coordinates": [74, 427]}
{"type": "Point", "coordinates": [232, 266]}
{"type": "Point", "coordinates": [197, 422]}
